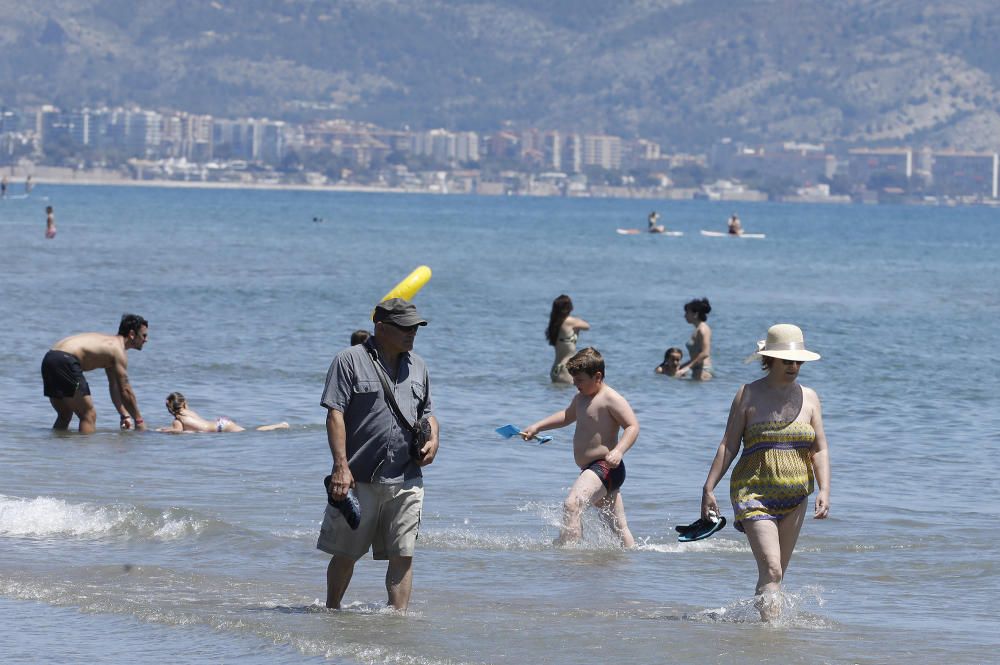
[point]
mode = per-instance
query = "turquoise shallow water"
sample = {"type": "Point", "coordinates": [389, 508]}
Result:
{"type": "Point", "coordinates": [148, 545]}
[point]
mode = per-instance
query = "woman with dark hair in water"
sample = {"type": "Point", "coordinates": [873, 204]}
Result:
{"type": "Point", "coordinates": [700, 345]}
{"type": "Point", "coordinates": [562, 334]}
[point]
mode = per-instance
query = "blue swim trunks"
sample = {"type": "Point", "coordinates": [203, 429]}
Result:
{"type": "Point", "coordinates": [612, 479]}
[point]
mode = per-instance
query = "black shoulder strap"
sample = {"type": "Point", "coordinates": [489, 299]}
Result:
{"type": "Point", "coordinates": [387, 392]}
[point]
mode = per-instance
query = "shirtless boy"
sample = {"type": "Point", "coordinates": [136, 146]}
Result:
{"type": "Point", "coordinates": [66, 386]}
{"type": "Point", "coordinates": [598, 411]}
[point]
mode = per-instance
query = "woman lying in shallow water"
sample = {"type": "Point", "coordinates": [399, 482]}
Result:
{"type": "Point", "coordinates": [188, 420]}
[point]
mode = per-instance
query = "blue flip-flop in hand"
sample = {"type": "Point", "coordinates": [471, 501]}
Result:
{"type": "Point", "coordinates": [700, 528]}
{"type": "Point", "coordinates": [508, 431]}
{"type": "Point", "coordinates": [349, 506]}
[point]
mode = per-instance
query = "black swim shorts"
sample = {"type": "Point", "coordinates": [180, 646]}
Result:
{"type": "Point", "coordinates": [612, 479]}
{"type": "Point", "coordinates": [62, 375]}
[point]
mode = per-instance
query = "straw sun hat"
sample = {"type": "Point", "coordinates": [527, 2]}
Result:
{"type": "Point", "coordinates": [786, 342]}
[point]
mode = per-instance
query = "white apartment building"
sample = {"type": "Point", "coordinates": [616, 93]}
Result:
{"type": "Point", "coordinates": [602, 150]}
{"type": "Point", "coordinates": [446, 147]}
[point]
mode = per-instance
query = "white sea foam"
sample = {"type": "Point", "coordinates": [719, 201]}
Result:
{"type": "Point", "coordinates": [795, 611]}
{"type": "Point", "coordinates": [48, 517]}
{"type": "Point", "coordinates": [596, 534]}
{"type": "Point", "coordinates": [296, 534]}
{"type": "Point", "coordinates": [706, 545]}
{"type": "Point", "coordinates": [468, 539]}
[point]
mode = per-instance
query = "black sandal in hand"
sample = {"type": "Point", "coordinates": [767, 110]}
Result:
{"type": "Point", "coordinates": [699, 529]}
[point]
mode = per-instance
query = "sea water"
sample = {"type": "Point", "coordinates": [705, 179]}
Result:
{"type": "Point", "coordinates": [119, 546]}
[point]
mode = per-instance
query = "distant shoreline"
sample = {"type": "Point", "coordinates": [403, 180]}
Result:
{"type": "Point", "coordinates": [89, 179]}
{"type": "Point", "coordinates": [199, 184]}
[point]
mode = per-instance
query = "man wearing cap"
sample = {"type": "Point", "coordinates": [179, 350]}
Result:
{"type": "Point", "coordinates": [371, 448]}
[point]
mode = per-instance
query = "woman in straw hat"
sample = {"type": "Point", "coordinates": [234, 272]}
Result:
{"type": "Point", "coordinates": [784, 450]}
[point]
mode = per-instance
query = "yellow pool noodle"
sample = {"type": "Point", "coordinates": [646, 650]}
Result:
{"type": "Point", "coordinates": [410, 285]}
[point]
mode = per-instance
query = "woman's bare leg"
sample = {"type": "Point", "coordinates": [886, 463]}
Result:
{"type": "Point", "coordinates": [268, 428]}
{"type": "Point", "coordinates": [772, 543]}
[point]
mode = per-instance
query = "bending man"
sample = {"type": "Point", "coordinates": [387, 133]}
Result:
{"type": "Point", "coordinates": [66, 386]}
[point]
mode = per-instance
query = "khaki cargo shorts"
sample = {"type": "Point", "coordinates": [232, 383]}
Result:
{"type": "Point", "coordinates": [390, 521]}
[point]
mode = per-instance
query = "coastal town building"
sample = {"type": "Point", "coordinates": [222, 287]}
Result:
{"type": "Point", "coordinates": [530, 161]}
{"type": "Point", "coordinates": [503, 145]}
{"type": "Point", "coordinates": [446, 147]}
{"type": "Point", "coordinates": [801, 163]}
{"type": "Point", "coordinates": [552, 151]}
{"type": "Point", "coordinates": [889, 164]}
{"type": "Point", "coordinates": [975, 174]}
{"type": "Point", "coordinates": [603, 151]}
{"type": "Point", "coordinates": [572, 154]}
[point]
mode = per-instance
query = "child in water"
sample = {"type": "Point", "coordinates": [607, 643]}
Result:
{"type": "Point", "coordinates": [671, 361]}
{"type": "Point", "coordinates": [599, 413]}
{"type": "Point", "coordinates": [188, 420]}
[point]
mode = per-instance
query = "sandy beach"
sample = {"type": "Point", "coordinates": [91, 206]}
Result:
{"type": "Point", "coordinates": [52, 175]}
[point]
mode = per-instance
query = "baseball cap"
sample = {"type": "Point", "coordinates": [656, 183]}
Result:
{"type": "Point", "coordinates": [398, 311]}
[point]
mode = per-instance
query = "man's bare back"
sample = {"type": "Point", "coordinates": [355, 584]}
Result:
{"type": "Point", "coordinates": [95, 350]}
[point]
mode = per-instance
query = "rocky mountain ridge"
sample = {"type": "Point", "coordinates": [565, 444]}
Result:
{"type": "Point", "coordinates": [683, 72]}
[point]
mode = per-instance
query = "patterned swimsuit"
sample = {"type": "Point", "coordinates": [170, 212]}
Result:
{"type": "Point", "coordinates": [774, 474]}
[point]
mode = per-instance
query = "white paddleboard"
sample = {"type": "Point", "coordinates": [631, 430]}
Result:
{"type": "Point", "coordinates": [719, 234]}
{"type": "Point", "coordinates": [636, 232]}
